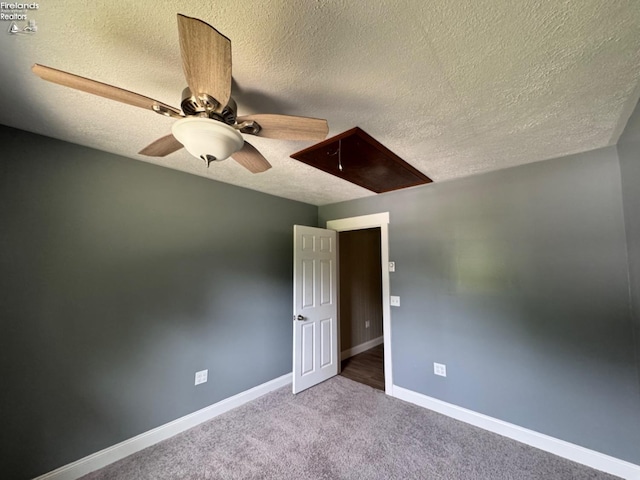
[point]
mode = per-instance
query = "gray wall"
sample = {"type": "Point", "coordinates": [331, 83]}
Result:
{"type": "Point", "coordinates": [517, 281]}
{"type": "Point", "coordinates": [119, 281]}
{"type": "Point", "coordinates": [629, 153]}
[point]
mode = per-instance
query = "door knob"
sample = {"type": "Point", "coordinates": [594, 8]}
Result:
{"type": "Point", "coordinates": [300, 318]}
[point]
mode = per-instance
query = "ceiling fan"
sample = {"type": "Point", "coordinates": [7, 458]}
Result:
{"type": "Point", "coordinates": [207, 125]}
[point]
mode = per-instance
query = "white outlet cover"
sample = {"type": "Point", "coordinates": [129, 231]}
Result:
{"type": "Point", "coordinates": [201, 376]}
{"type": "Point", "coordinates": [392, 266]}
{"type": "Point", "coordinates": [394, 301]}
{"type": "Point", "coordinates": [367, 324]}
{"type": "Point", "coordinates": [440, 369]}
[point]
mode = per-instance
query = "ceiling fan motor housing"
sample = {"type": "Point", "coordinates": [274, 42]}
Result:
{"type": "Point", "coordinates": [205, 104]}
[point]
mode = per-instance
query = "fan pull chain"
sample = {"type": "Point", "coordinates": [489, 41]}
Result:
{"type": "Point", "coordinates": [339, 153]}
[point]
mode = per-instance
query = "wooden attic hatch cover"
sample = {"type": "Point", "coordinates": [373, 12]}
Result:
{"type": "Point", "coordinates": [365, 162]}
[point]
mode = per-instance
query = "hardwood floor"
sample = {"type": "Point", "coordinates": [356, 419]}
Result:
{"type": "Point", "coordinates": [366, 367]}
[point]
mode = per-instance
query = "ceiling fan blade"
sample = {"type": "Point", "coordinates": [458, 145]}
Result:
{"type": "Point", "coordinates": [102, 89]}
{"type": "Point", "coordinates": [162, 147]}
{"type": "Point", "coordinates": [287, 127]}
{"type": "Point", "coordinates": [251, 159]}
{"type": "Point", "coordinates": [206, 59]}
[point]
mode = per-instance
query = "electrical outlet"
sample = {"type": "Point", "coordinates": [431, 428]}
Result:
{"type": "Point", "coordinates": [440, 369]}
{"type": "Point", "coordinates": [394, 301]}
{"type": "Point", "coordinates": [392, 266]}
{"type": "Point", "coordinates": [367, 324]}
{"type": "Point", "coordinates": [201, 376]}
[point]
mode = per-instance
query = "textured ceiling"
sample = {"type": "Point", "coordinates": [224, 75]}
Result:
{"type": "Point", "coordinates": [453, 87]}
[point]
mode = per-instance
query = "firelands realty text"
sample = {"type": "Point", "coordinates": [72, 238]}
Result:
{"type": "Point", "coordinates": [15, 11]}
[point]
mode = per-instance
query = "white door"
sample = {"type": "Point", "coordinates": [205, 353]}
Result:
{"type": "Point", "coordinates": [315, 307]}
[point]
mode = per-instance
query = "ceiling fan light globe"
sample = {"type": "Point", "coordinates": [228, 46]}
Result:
{"type": "Point", "coordinates": [204, 137]}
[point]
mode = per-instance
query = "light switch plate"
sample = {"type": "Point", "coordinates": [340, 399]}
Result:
{"type": "Point", "coordinates": [394, 301]}
{"type": "Point", "coordinates": [392, 266]}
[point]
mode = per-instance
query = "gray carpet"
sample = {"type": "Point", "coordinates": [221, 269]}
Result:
{"type": "Point", "coordinates": [340, 430]}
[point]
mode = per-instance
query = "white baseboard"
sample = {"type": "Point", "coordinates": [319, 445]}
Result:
{"type": "Point", "coordinates": [363, 347]}
{"type": "Point", "coordinates": [117, 452]}
{"type": "Point", "coordinates": [567, 450]}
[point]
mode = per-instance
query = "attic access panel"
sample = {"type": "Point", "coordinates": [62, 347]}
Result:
{"type": "Point", "coordinates": [365, 162]}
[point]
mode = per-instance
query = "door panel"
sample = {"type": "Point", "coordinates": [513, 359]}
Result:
{"type": "Point", "coordinates": [307, 283]}
{"type": "Point", "coordinates": [326, 356]}
{"type": "Point", "coordinates": [307, 348]}
{"type": "Point", "coordinates": [315, 348]}
{"type": "Point", "coordinates": [326, 282]}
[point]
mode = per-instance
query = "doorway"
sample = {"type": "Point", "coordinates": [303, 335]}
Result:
{"type": "Point", "coordinates": [360, 310]}
{"type": "Point", "coordinates": [380, 222]}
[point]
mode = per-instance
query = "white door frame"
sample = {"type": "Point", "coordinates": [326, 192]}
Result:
{"type": "Point", "coordinates": [372, 221]}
